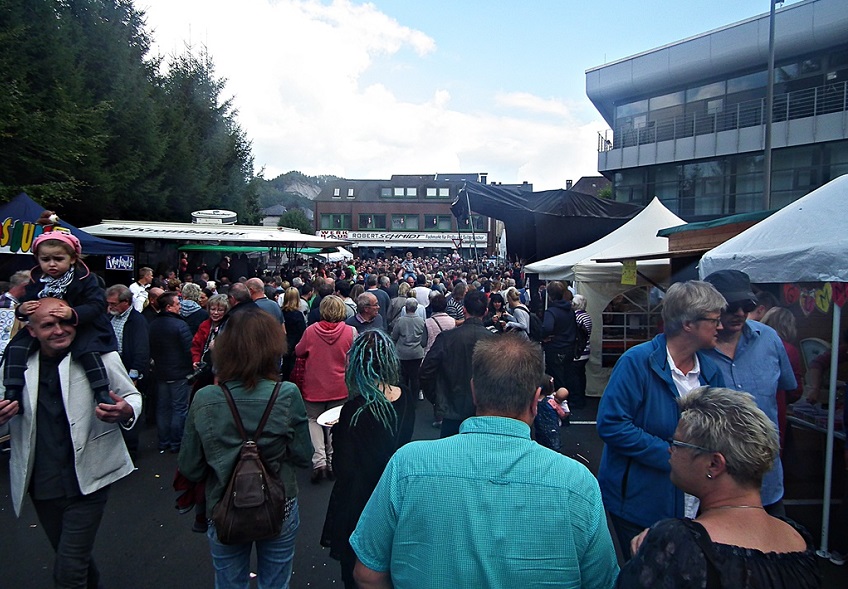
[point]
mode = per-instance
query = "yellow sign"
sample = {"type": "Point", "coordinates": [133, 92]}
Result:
{"type": "Point", "coordinates": [628, 272]}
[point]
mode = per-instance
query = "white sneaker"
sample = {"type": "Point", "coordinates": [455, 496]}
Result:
{"type": "Point", "coordinates": [837, 558]}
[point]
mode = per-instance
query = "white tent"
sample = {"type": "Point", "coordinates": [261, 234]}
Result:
{"type": "Point", "coordinates": [601, 282]}
{"type": "Point", "coordinates": [340, 255]}
{"type": "Point", "coordinates": [803, 242]}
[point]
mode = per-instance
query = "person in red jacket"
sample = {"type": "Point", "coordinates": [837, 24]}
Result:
{"type": "Point", "coordinates": [324, 345]}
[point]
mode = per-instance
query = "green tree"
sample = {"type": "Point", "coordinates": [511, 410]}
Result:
{"type": "Point", "coordinates": [605, 192]}
{"type": "Point", "coordinates": [296, 220]}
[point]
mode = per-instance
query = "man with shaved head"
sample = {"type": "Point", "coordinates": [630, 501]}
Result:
{"type": "Point", "coordinates": [67, 451]}
{"type": "Point", "coordinates": [256, 288]}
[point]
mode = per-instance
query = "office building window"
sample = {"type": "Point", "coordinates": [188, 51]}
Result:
{"type": "Point", "coordinates": [404, 222]}
{"type": "Point", "coordinates": [437, 222]}
{"type": "Point", "coordinates": [371, 221]}
{"type": "Point", "coordinates": [480, 224]}
{"type": "Point", "coordinates": [335, 221]}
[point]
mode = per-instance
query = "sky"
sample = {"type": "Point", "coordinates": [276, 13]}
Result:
{"type": "Point", "coordinates": [364, 90]}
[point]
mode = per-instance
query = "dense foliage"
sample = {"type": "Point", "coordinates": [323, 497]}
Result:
{"type": "Point", "coordinates": [94, 127]}
{"type": "Point", "coordinates": [296, 220]}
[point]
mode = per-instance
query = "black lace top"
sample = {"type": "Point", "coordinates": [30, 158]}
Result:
{"type": "Point", "coordinates": [671, 556]}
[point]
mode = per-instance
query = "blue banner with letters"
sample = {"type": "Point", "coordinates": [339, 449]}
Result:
{"type": "Point", "coordinates": [125, 262]}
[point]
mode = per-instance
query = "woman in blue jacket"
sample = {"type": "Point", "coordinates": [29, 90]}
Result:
{"type": "Point", "coordinates": [638, 412]}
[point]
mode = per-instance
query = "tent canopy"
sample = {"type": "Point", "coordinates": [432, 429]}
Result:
{"type": "Point", "coordinates": [541, 224]}
{"type": "Point", "coordinates": [639, 235]}
{"type": "Point", "coordinates": [804, 241]}
{"type": "Point", "coordinates": [19, 229]}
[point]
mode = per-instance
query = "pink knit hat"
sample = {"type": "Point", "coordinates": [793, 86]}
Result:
{"type": "Point", "coordinates": [63, 236]}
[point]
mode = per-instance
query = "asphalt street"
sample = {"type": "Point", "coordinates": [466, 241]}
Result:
{"type": "Point", "coordinates": [144, 543]}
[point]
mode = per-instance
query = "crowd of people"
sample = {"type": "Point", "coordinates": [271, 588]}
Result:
{"type": "Point", "coordinates": [688, 465]}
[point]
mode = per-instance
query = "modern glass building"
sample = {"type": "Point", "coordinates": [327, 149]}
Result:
{"type": "Point", "coordinates": [688, 119]}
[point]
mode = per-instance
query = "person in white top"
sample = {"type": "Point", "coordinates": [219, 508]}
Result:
{"type": "Point", "coordinates": [139, 288]}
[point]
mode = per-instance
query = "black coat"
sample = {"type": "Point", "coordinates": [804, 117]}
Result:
{"type": "Point", "coordinates": [446, 369]}
{"type": "Point", "coordinates": [135, 348]}
{"type": "Point", "coordinates": [170, 347]}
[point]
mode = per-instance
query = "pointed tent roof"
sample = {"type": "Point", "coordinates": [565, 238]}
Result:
{"type": "Point", "coordinates": [639, 235]}
{"type": "Point", "coordinates": [804, 241]}
{"type": "Point", "coordinates": [18, 217]}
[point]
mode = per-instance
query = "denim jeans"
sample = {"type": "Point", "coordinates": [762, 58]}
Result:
{"type": "Point", "coordinates": [274, 558]}
{"type": "Point", "coordinates": [71, 526]}
{"type": "Point", "coordinates": [171, 411]}
{"type": "Point", "coordinates": [625, 531]}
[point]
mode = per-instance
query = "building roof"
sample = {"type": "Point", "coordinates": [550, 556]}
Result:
{"type": "Point", "coordinates": [800, 28]}
{"type": "Point", "coordinates": [591, 185]}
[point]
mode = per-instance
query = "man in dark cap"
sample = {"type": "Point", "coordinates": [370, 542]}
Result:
{"type": "Point", "coordinates": [752, 358]}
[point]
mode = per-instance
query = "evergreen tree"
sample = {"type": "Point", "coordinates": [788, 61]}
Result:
{"type": "Point", "coordinates": [296, 220]}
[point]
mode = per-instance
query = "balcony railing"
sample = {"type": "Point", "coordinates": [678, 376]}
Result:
{"type": "Point", "coordinates": [809, 102]}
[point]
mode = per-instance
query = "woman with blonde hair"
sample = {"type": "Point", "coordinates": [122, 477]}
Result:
{"type": "Point", "coordinates": [190, 308]}
{"type": "Point", "coordinates": [295, 325]}
{"type": "Point", "coordinates": [722, 447]}
{"type": "Point", "coordinates": [324, 345]}
{"type": "Point", "coordinates": [783, 322]}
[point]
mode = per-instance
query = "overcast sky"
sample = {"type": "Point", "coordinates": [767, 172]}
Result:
{"type": "Point", "coordinates": [367, 90]}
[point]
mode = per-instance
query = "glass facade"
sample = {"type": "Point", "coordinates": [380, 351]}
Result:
{"type": "Point", "coordinates": [733, 184]}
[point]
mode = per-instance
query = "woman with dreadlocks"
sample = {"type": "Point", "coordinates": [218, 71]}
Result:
{"type": "Point", "coordinates": [375, 421]}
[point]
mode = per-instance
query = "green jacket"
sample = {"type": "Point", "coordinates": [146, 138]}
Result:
{"type": "Point", "coordinates": [211, 442]}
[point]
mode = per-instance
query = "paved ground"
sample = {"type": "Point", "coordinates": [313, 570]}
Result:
{"type": "Point", "coordinates": [144, 543]}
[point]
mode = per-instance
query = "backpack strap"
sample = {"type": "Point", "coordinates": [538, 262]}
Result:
{"type": "Point", "coordinates": [239, 424]}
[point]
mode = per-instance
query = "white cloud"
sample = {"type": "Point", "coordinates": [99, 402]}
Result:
{"type": "Point", "coordinates": [295, 69]}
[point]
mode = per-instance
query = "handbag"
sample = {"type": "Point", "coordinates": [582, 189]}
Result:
{"type": "Point", "coordinates": [254, 505]}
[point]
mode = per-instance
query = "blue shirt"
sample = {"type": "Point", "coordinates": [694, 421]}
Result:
{"type": "Point", "coordinates": [760, 366]}
{"type": "Point", "coordinates": [486, 508]}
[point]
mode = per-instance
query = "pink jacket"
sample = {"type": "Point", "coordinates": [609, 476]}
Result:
{"type": "Point", "coordinates": [325, 346]}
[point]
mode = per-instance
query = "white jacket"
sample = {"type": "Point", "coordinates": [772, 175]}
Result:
{"type": "Point", "coordinates": [100, 455]}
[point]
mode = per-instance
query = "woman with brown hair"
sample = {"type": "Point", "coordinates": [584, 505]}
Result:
{"type": "Point", "coordinates": [247, 358]}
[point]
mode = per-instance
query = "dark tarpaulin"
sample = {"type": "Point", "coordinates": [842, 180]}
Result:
{"type": "Point", "coordinates": [546, 223]}
{"type": "Point", "coordinates": [23, 210]}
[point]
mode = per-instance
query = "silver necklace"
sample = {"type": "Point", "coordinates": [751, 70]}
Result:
{"type": "Point", "coordinates": [735, 507]}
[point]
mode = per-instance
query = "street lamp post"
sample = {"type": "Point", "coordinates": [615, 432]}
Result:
{"type": "Point", "coordinates": [769, 112]}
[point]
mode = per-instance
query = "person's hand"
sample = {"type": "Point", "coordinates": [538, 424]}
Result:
{"type": "Point", "coordinates": [62, 313]}
{"type": "Point", "coordinates": [120, 411]}
{"type": "Point", "coordinates": [29, 307]}
{"type": "Point", "coordinates": [194, 365]}
{"type": "Point", "coordinates": [8, 409]}
{"type": "Point", "coordinates": [636, 542]}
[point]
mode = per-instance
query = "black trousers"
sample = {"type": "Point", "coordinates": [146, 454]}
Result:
{"type": "Point", "coordinates": [71, 526]}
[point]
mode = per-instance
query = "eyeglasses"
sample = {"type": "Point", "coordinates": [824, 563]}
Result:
{"type": "Point", "coordinates": [678, 444]}
{"type": "Point", "coordinates": [715, 320]}
{"type": "Point", "coordinates": [746, 306]}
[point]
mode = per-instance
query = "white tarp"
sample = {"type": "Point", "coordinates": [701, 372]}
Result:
{"type": "Point", "coordinates": [639, 235]}
{"type": "Point", "coordinates": [340, 255]}
{"type": "Point", "coordinates": [601, 282]}
{"type": "Point", "coordinates": [803, 242]}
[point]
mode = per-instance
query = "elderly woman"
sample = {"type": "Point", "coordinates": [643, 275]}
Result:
{"type": "Point", "coordinates": [201, 345]}
{"type": "Point", "coordinates": [376, 421]}
{"type": "Point", "coordinates": [396, 308]}
{"type": "Point", "coordinates": [722, 447]}
{"type": "Point", "coordinates": [190, 308]}
{"type": "Point", "coordinates": [639, 411]}
{"type": "Point", "coordinates": [410, 337]}
{"type": "Point", "coordinates": [783, 322]}
{"type": "Point", "coordinates": [325, 346]}
{"type": "Point", "coordinates": [247, 357]}
{"type": "Point", "coordinates": [577, 397]}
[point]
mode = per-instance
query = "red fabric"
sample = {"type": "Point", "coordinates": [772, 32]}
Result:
{"type": "Point", "coordinates": [325, 346]}
{"type": "Point", "coordinates": [199, 340]}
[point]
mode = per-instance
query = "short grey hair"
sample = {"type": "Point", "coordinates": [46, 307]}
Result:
{"type": "Point", "coordinates": [729, 422]}
{"type": "Point", "coordinates": [124, 294]}
{"type": "Point", "coordinates": [689, 301]}
{"type": "Point", "coordinates": [364, 300]}
{"type": "Point", "coordinates": [20, 277]}
{"type": "Point", "coordinates": [219, 301]}
{"type": "Point", "coordinates": [411, 305]}
{"type": "Point", "coordinates": [191, 292]}
{"type": "Point", "coordinates": [578, 303]}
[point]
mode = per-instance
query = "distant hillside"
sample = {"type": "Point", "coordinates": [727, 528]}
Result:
{"type": "Point", "coordinates": [292, 189]}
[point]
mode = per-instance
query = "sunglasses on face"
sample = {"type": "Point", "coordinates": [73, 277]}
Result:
{"type": "Point", "coordinates": [746, 306]}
